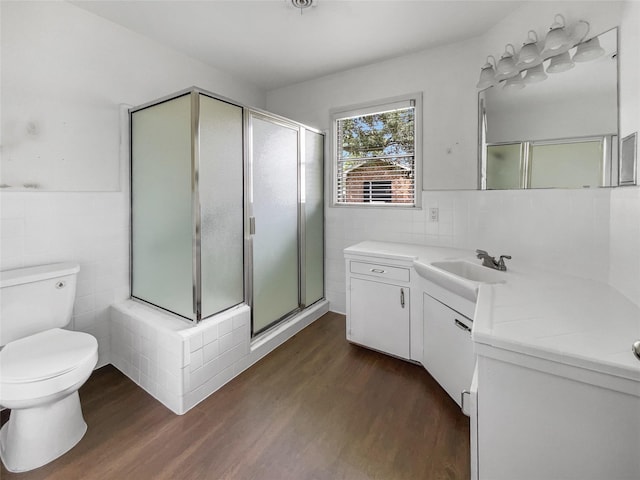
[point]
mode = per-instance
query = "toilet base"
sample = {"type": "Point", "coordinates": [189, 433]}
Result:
{"type": "Point", "coordinates": [36, 436]}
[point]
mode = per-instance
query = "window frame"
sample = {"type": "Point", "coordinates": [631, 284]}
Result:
{"type": "Point", "coordinates": [371, 108]}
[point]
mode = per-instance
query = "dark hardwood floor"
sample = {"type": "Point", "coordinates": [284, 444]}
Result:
{"type": "Point", "coordinates": [315, 408]}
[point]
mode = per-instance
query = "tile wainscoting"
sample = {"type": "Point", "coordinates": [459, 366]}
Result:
{"type": "Point", "coordinates": [562, 230]}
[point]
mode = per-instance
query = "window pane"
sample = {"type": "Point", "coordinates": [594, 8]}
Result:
{"type": "Point", "coordinates": [377, 135]}
{"type": "Point", "coordinates": [376, 157]}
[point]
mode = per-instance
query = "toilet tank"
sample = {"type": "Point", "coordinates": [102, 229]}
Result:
{"type": "Point", "coordinates": [35, 299]}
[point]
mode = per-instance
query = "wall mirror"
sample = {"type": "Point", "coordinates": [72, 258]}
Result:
{"type": "Point", "coordinates": [558, 133]}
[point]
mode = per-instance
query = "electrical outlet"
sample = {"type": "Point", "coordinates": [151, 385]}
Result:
{"type": "Point", "coordinates": [433, 214]}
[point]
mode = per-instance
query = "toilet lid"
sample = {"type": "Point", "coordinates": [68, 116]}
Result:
{"type": "Point", "coordinates": [45, 355]}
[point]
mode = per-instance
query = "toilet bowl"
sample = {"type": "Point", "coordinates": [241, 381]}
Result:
{"type": "Point", "coordinates": [39, 380]}
{"type": "Point", "coordinates": [41, 369]}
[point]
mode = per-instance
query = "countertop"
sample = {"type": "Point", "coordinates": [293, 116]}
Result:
{"type": "Point", "coordinates": [542, 314]}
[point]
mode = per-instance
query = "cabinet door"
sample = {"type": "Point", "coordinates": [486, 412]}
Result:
{"type": "Point", "coordinates": [448, 350]}
{"type": "Point", "coordinates": [379, 316]}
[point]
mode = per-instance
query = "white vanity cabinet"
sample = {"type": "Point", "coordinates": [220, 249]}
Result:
{"type": "Point", "coordinates": [378, 307]}
{"type": "Point", "coordinates": [447, 348]}
{"type": "Point", "coordinates": [537, 419]}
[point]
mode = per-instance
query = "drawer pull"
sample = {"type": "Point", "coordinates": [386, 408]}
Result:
{"type": "Point", "coordinates": [636, 349]}
{"type": "Point", "coordinates": [377, 270]}
{"type": "Point", "coordinates": [461, 325]}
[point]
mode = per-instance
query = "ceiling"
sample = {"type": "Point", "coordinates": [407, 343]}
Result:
{"type": "Point", "coordinates": [272, 44]}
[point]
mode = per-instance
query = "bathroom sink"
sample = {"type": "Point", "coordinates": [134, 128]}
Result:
{"type": "Point", "coordinates": [471, 271]}
{"type": "Point", "coordinates": [459, 276]}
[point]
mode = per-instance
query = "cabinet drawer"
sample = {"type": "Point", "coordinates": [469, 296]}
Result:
{"type": "Point", "coordinates": [380, 271]}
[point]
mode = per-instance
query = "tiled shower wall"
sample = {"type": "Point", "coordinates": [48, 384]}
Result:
{"type": "Point", "coordinates": [177, 363]}
{"type": "Point", "coordinates": [181, 364]}
{"type": "Point", "coordinates": [562, 230]}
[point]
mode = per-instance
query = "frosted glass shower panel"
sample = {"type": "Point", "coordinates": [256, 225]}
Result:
{"type": "Point", "coordinates": [274, 160]}
{"type": "Point", "coordinates": [504, 166]}
{"type": "Point", "coordinates": [221, 205]}
{"type": "Point", "coordinates": [312, 203]}
{"type": "Point", "coordinates": [161, 205]}
{"type": "Point", "coordinates": [567, 165]}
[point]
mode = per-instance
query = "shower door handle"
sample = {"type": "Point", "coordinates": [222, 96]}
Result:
{"type": "Point", "coordinates": [252, 225]}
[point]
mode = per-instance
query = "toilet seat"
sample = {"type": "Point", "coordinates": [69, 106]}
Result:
{"type": "Point", "coordinates": [44, 364]}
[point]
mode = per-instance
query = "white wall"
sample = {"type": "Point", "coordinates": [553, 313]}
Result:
{"type": "Point", "coordinates": [86, 61]}
{"type": "Point", "coordinates": [561, 119]}
{"type": "Point", "coordinates": [565, 230]}
{"type": "Point", "coordinates": [447, 78]}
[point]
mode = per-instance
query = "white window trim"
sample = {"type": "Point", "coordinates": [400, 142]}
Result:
{"type": "Point", "coordinates": [372, 107]}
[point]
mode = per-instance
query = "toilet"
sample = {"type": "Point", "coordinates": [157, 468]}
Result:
{"type": "Point", "coordinates": [42, 366]}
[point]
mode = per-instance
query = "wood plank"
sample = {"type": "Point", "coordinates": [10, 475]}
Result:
{"type": "Point", "coordinates": [315, 408]}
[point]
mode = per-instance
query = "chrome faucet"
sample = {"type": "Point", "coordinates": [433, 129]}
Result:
{"type": "Point", "coordinates": [491, 262]}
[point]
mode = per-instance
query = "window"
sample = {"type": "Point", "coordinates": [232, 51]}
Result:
{"type": "Point", "coordinates": [377, 191]}
{"type": "Point", "coordinates": [375, 151]}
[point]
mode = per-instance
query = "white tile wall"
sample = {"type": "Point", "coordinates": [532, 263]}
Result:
{"type": "Point", "coordinates": [180, 364]}
{"type": "Point", "coordinates": [91, 229]}
{"type": "Point", "coordinates": [563, 230]}
{"type": "Point", "coordinates": [625, 242]}
{"type": "Point", "coordinates": [175, 362]}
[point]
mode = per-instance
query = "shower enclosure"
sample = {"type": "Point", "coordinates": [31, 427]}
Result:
{"type": "Point", "coordinates": [226, 207]}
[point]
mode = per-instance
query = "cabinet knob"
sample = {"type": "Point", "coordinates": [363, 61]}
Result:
{"type": "Point", "coordinates": [636, 349]}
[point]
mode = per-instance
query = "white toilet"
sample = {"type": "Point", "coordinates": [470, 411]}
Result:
{"type": "Point", "coordinates": [41, 366]}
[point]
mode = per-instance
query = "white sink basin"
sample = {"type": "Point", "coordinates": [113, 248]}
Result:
{"type": "Point", "coordinates": [471, 271]}
{"type": "Point", "coordinates": [459, 276]}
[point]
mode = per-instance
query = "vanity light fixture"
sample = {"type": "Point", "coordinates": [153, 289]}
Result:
{"type": "Point", "coordinates": [514, 83]}
{"type": "Point", "coordinates": [506, 67]}
{"type": "Point", "coordinates": [530, 52]}
{"type": "Point", "coordinates": [487, 74]}
{"type": "Point", "coordinates": [560, 63]}
{"type": "Point", "coordinates": [535, 74]}
{"type": "Point", "coordinates": [557, 38]}
{"type": "Point", "coordinates": [558, 41]}
{"type": "Point", "coordinates": [589, 50]}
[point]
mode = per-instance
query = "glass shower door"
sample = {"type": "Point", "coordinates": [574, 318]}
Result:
{"type": "Point", "coordinates": [273, 204]}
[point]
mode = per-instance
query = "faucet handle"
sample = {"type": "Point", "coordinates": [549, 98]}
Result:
{"type": "Point", "coordinates": [480, 253]}
{"type": "Point", "coordinates": [501, 265]}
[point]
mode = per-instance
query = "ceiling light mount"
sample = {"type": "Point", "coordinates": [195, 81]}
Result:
{"type": "Point", "coordinates": [302, 4]}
